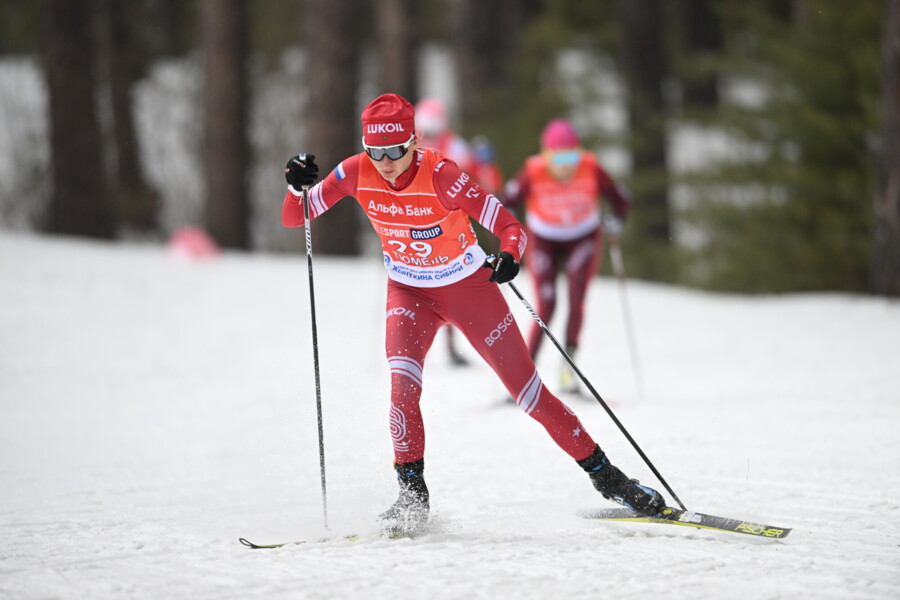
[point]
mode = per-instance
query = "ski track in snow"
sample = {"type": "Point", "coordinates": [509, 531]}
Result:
{"type": "Point", "coordinates": [155, 410]}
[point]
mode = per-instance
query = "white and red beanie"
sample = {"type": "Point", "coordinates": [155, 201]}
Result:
{"type": "Point", "coordinates": [388, 120]}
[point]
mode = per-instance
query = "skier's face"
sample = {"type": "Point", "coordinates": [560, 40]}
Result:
{"type": "Point", "coordinates": [392, 169]}
{"type": "Point", "coordinates": [563, 163]}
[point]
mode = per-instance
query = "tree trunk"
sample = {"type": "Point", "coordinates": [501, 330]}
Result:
{"type": "Point", "coordinates": [485, 41]}
{"type": "Point", "coordinates": [397, 39]}
{"type": "Point", "coordinates": [471, 32]}
{"type": "Point", "coordinates": [886, 260]}
{"type": "Point", "coordinates": [226, 153]}
{"type": "Point", "coordinates": [136, 204]}
{"type": "Point", "coordinates": [80, 202]}
{"type": "Point", "coordinates": [702, 38]}
{"type": "Point", "coordinates": [168, 26]}
{"type": "Point", "coordinates": [333, 43]}
{"type": "Point", "coordinates": [644, 70]}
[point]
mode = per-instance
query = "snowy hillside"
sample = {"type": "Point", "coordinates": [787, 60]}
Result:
{"type": "Point", "coordinates": [154, 410]}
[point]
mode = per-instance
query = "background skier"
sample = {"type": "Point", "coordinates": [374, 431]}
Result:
{"type": "Point", "coordinates": [561, 189]}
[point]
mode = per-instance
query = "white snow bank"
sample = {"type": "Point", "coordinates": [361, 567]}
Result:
{"type": "Point", "coordinates": [153, 411]}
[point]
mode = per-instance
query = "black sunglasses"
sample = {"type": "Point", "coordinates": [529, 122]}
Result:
{"type": "Point", "coordinates": [376, 153]}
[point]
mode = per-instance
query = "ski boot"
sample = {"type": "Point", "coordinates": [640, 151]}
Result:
{"type": "Point", "coordinates": [616, 486]}
{"type": "Point", "coordinates": [409, 514]}
{"type": "Point", "coordinates": [457, 359]}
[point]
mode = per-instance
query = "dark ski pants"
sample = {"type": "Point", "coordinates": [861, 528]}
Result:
{"type": "Point", "coordinates": [580, 258]}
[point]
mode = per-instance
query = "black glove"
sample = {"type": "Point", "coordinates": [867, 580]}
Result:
{"type": "Point", "coordinates": [505, 267]}
{"type": "Point", "coordinates": [301, 171]}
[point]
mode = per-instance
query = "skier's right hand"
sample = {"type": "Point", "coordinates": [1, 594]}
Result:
{"type": "Point", "coordinates": [504, 266]}
{"type": "Point", "coordinates": [301, 171]}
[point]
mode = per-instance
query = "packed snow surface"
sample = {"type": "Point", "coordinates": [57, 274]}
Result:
{"type": "Point", "coordinates": [154, 410]}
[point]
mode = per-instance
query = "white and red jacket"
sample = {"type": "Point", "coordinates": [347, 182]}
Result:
{"type": "Point", "coordinates": [564, 210]}
{"type": "Point", "coordinates": [422, 219]}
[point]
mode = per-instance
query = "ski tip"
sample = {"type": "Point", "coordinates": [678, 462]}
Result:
{"type": "Point", "coordinates": [253, 546]}
{"type": "Point", "coordinates": [350, 537]}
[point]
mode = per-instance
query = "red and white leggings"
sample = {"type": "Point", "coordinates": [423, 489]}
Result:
{"type": "Point", "coordinates": [581, 258]}
{"type": "Point", "coordinates": [478, 309]}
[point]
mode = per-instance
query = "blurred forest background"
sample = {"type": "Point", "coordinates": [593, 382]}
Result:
{"type": "Point", "coordinates": [760, 140]}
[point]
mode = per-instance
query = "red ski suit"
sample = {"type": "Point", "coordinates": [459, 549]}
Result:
{"type": "Point", "coordinates": [563, 219]}
{"type": "Point", "coordinates": [435, 277]}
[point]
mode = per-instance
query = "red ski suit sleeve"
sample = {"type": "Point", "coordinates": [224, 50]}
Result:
{"type": "Point", "coordinates": [455, 189]}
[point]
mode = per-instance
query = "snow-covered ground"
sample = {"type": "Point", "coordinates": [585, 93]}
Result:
{"type": "Point", "coordinates": [155, 410]}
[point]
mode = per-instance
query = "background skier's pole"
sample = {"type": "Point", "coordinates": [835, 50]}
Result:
{"type": "Point", "coordinates": [587, 384]}
{"type": "Point", "coordinates": [615, 253]}
{"type": "Point", "coordinates": [315, 344]}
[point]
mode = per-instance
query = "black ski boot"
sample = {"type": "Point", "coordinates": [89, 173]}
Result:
{"type": "Point", "coordinates": [409, 514]}
{"type": "Point", "coordinates": [615, 486]}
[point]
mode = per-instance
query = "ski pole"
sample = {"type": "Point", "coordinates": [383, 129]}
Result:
{"type": "Point", "coordinates": [590, 387]}
{"type": "Point", "coordinates": [315, 346]}
{"type": "Point", "coordinates": [615, 253]}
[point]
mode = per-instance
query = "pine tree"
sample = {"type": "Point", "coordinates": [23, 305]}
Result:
{"type": "Point", "coordinates": [792, 209]}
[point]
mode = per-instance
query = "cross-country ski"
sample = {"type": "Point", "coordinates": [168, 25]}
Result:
{"type": "Point", "coordinates": [676, 516]}
{"type": "Point", "coordinates": [323, 540]}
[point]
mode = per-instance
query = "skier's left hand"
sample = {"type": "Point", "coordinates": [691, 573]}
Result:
{"type": "Point", "coordinates": [612, 225]}
{"type": "Point", "coordinates": [505, 268]}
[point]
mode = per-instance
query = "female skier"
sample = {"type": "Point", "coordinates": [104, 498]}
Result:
{"type": "Point", "coordinates": [561, 189]}
{"type": "Point", "coordinates": [419, 204]}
